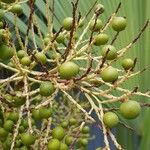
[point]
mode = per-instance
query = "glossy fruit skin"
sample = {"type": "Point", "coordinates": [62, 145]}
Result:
{"type": "Point", "coordinates": [45, 113]}
{"type": "Point", "coordinates": [21, 54]}
{"type": "Point", "coordinates": [60, 38]}
{"type": "Point", "coordinates": [109, 74]}
{"type": "Point", "coordinates": [58, 133]}
{"type": "Point", "coordinates": [26, 61]}
{"type": "Point", "coordinates": [68, 70]}
{"type": "Point", "coordinates": [41, 57]}
{"type": "Point", "coordinates": [8, 1]}
{"type": "Point", "coordinates": [101, 39]}
{"type": "Point", "coordinates": [109, 52]}
{"type": "Point", "coordinates": [8, 125]}
{"type": "Point", "coordinates": [97, 27]}
{"type": "Point", "coordinates": [68, 140]}
{"type": "Point", "coordinates": [110, 119]}
{"type": "Point", "coordinates": [6, 52]}
{"type": "Point", "coordinates": [119, 23]}
{"type": "Point", "coordinates": [27, 139]}
{"type": "Point", "coordinates": [17, 9]}
{"type": "Point", "coordinates": [53, 144]}
{"type": "Point", "coordinates": [63, 146]}
{"type": "Point", "coordinates": [67, 23]}
{"type": "Point", "coordinates": [130, 109]}
{"type": "Point", "coordinates": [46, 89]}
{"type": "Point", "coordinates": [85, 130]}
{"type": "Point", "coordinates": [127, 63]}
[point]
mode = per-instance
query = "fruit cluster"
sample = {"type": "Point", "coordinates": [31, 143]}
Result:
{"type": "Point", "coordinates": [53, 86]}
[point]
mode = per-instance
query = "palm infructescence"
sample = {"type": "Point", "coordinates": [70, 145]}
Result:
{"type": "Point", "coordinates": [58, 72]}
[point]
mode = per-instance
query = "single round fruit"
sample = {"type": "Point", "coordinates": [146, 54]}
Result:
{"type": "Point", "coordinates": [84, 142]}
{"type": "Point", "coordinates": [21, 129]}
{"type": "Point", "coordinates": [58, 133]}
{"type": "Point", "coordinates": [110, 119]}
{"type": "Point", "coordinates": [6, 52]}
{"type": "Point", "coordinates": [3, 132]}
{"type": "Point", "coordinates": [109, 74]}
{"type": "Point", "coordinates": [60, 38]}
{"type": "Point", "coordinates": [68, 70]}
{"type": "Point", "coordinates": [8, 125]}
{"type": "Point", "coordinates": [46, 89]}
{"type": "Point", "coordinates": [35, 114]}
{"type": "Point", "coordinates": [72, 121]}
{"type": "Point", "coordinates": [26, 61]}
{"type": "Point", "coordinates": [68, 140]}
{"type": "Point", "coordinates": [130, 109]}
{"type": "Point", "coordinates": [67, 23]}
{"type": "Point", "coordinates": [101, 39]}
{"type": "Point", "coordinates": [65, 124]}
{"type": "Point", "coordinates": [119, 23]}
{"type": "Point", "coordinates": [109, 52]}
{"type": "Point", "coordinates": [12, 116]}
{"type": "Point", "coordinates": [18, 101]}
{"type": "Point", "coordinates": [16, 9]}
{"type": "Point", "coordinates": [27, 139]}
{"type": "Point", "coordinates": [127, 63]}
{"type": "Point", "coordinates": [45, 113]}
{"type": "Point", "coordinates": [85, 130]}
{"type": "Point", "coordinates": [21, 54]}
{"type": "Point", "coordinates": [63, 146]}
{"type": "Point", "coordinates": [53, 144]}
{"type": "Point", "coordinates": [96, 26]}
{"type": "Point", "coordinates": [41, 57]}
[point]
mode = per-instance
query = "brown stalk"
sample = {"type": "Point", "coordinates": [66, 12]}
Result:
{"type": "Point", "coordinates": [69, 47]}
{"type": "Point", "coordinates": [116, 11]}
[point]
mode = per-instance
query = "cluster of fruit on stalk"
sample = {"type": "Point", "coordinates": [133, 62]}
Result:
{"type": "Point", "coordinates": [65, 134]}
{"type": "Point", "coordinates": [9, 117]}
